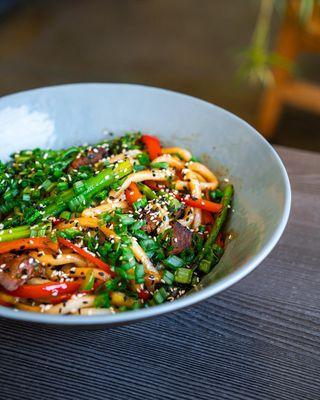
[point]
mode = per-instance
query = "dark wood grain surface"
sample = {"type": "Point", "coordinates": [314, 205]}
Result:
{"type": "Point", "coordinates": [257, 340]}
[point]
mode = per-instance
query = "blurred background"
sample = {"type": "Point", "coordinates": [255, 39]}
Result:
{"type": "Point", "coordinates": [258, 59]}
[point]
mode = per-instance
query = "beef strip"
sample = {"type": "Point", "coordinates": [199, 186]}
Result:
{"type": "Point", "coordinates": [15, 270]}
{"type": "Point", "coordinates": [181, 238]}
{"type": "Point", "coordinates": [179, 213]}
{"type": "Point", "coordinates": [152, 221]}
{"type": "Point", "coordinates": [91, 158]}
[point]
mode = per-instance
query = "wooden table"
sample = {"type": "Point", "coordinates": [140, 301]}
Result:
{"type": "Point", "coordinates": [257, 340]}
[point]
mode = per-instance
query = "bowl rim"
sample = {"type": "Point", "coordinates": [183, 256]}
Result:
{"type": "Point", "coordinates": [186, 301]}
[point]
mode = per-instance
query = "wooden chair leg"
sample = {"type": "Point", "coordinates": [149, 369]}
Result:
{"type": "Point", "coordinates": [269, 113]}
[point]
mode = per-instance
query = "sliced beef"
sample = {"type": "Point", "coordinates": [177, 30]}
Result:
{"type": "Point", "coordinates": [15, 270]}
{"type": "Point", "coordinates": [181, 238]}
{"type": "Point", "coordinates": [152, 221]}
{"type": "Point", "coordinates": [179, 213]}
{"type": "Point", "coordinates": [91, 158]}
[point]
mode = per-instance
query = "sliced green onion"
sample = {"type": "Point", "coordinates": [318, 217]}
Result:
{"type": "Point", "coordinates": [149, 244]}
{"type": "Point", "coordinates": [79, 187]}
{"type": "Point", "coordinates": [65, 215]}
{"type": "Point", "coordinates": [139, 234]}
{"type": "Point", "coordinates": [216, 195]}
{"type": "Point", "coordinates": [126, 219]}
{"type": "Point", "coordinates": [46, 185]}
{"type": "Point", "coordinates": [160, 295]}
{"type": "Point", "coordinates": [105, 217]}
{"type": "Point", "coordinates": [112, 284]}
{"type": "Point", "coordinates": [123, 273]}
{"type": "Point", "coordinates": [135, 306]}
{"type": "Point", "coordinates": [77, 203]}
{"type": "Point", "coordinates": [173, 262]}
{"type": "Point", "coordinates": [205, 266]}
{"type": "Point", "coordinates": [160, 165]}
{"type": "Point", "coordinates": [40, 230]}
{"type": "Point", "coordinates": [26, 197]}
{"type": "Point", "coordinates": [144, 159]}
{"type": "Point", "coordinates": [70, 233]}
{"type": "Point", "coordinates": [139, 273]}
{"type": "Point", "coordinates": [102, 300]}
{"type": "Point", "coordinates": [168, 277]}
{"type": "Point", "coordinates": [141, 203]}
{"type": "Point", "coordinates": [137, 225]}
{"type": "Point", "coordinates": [61, 186]}
{"type": "Point", "coordinates": [57, 173]}
{"type": "Point", "coordinates": [137, 167]}
{"type": "Point", "coordinates": [183, 275]}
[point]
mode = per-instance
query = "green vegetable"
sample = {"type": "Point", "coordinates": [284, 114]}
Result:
{"type": "Point", "coordinates": [37, 186]}
{"type": "Point", "coordinates": [41, 230]}
{"type": "Point", "coordinates": [216, 195]}
{"type": "Point", "coordinates": [173, 204]}
{"type": "Point", "coordinates": [65, 215]}
{"type": "Point", "coordinates": [25, 231]}
{"type": "Point", "coordinates": [144, 159]}
{"type": "Point", "coordinates": [79, 187]}
{"type": "Point", "coordinates": [88, 281]}
{"type": "Point", "coordinates": [173, 262]}
{"type": "Point", "coordinates": [149, 244]}
{"type": "Point", "coordinates": [138, 167]}
{"type": "Point", "coordinates": [149, 193]}
{"type": "Point", "coordinates": [102, 301]}
{"type": "Point", "coordinates": [160, 295]}
{"type": "Point", "coordinates": [126, 219]}
{"type": "Point", "coordinates": [183, 275]}
{"type": "Point", "coordinates": [139, 234]}
{"type": "Point", "coordinates": [66, 199]}
{"type": "Point", "coordinates": [168, 277]}
{"type": "Point", "coordinates": [141, 203]}
{"type": "Point", "coordinates": [48, 185]}
{"type": "Point", "coordinates": [139, 273]}
{"type": "Point", "coordinates": [61, 186]}
{"type": "Point", "coordinates": [208, 258]}
{"type": "Point", "coordinates": [137, 226]}
{"type": "Point", "coordinates": [15, 233]}
{"type": "Point", "coordinates": [69, 233]}
{"type": "Point", "coordinates": [160, 165]}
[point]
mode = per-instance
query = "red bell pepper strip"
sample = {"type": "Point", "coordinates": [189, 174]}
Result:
{"type": "Point", "coordinates": [47, 289]}
{"type": "Point", "coordinates": [133, 193]}
{"type": "Point", "coordinates": [56, 221]}
{"type": "Point", "coordinates": [201, 203]}
{"type": "Point", "coordinates": [207, 218]}
{"type": "Point", "coordinates": [144, 294]}
{"type": "Point", "coordinates": [154, 185]}
{"type": "Point", "coordinates": [65, 297]}
{"type": "Point", "coordinates": [55, 299]}
{"type": "Point", "coordinates": [29, 243]}
{"type": "Point", "coordinates": [85, 254]}
{"type": "Point", "coordinates": [153, 146]}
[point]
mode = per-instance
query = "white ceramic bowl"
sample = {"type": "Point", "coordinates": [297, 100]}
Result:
{"type": "Point", "coordinates": [62, 116]}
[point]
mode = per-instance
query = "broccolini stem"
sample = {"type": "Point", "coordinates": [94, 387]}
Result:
{"type": "Point", "coordinates": [208, 255]}
{"type": "Point", "coordinates": [19, 232]}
